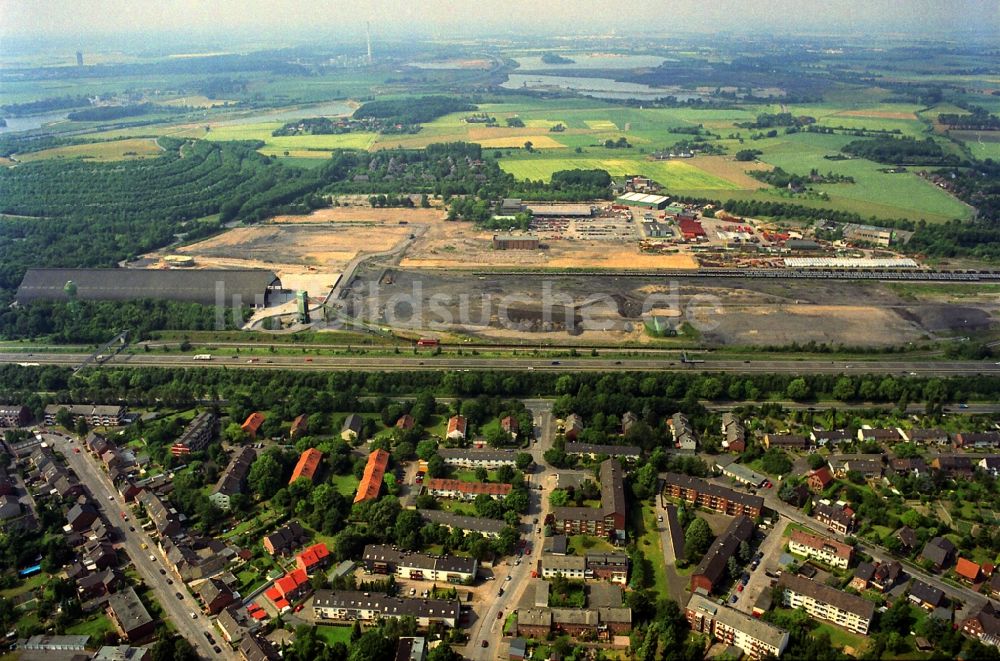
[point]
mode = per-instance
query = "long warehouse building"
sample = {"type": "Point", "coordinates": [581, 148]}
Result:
{"type": "Point", "coordinates": [253, 287]}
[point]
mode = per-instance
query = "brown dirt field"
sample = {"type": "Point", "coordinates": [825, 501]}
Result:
{"type": "Point", "coordinates": [777, 325]}
{"type": "Point", "coordinates": [6, 162]}
{"type": "Point", "coordinates": [876, 114]}
{"type": "Point", "coordinates": [365, 214]}
{"type": "Point", "coordinates": [731, 170]}
{"type": "Point", "coordinates": [517, 142]}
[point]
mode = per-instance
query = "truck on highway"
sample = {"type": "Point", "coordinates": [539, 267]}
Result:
{"type": "Point", "coordinates": [203, 356]}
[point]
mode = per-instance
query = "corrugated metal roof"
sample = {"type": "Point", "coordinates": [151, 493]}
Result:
{"type": "Point", "coordinates": [194, 285]}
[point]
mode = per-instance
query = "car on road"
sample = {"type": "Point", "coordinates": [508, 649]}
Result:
{"type": "Point", "coordinates": [178, 595]}
{"type": "Point", "coordinates": [486, 643]}
{"type": "Point", "coordinates": [413, 591]}
{"type": "Point", "coordinates": [739, 588]}
{"type": "Point", "coordinates": [111, 496]}
{"type": "Point", "coordinates": [963, 406]}
{"type": "Point", "coordinates": [170, 581]}
{"type": "Point", "coordinates": [208, 637]}
{"type": "Point", "coordinates": [488, 578]}
{"type": "Point", "coordinates": [500, 594]}
{"type": "Point", "coordinates": [660, 518]}
{"type": "Point", "coordinates": [217, 650]}
{"type": "Point", "coordinates": [508, 577]}
{"type": "Point", "coordinates": [163, 572]}
{"type": "Point", "coordinates": [194, 616]}
{"type": "Point", "coordinates": [152, 558]}
{"type": "Point", "coordinates": [500, 614]}
{"type": "Point", "coordinates": [554, 362]}
{"type": "Point", "coordinates": [745, 578]}
{"type": "Point", "coordinates": [76, 450]}
{"type": "Point", "coordinates": [734, 598]}
{"type": "Point", "coordinates": [298, 608]}
{"type": "Point", "coordinates": [143, 546]}
{"type": "Point", "coordinates": [131, 528]}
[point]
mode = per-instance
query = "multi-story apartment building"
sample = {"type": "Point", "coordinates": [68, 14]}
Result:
{"type": "Point", "coordinates": [755, 637]}
{"type": "Point", "coordinates": [488, 459]}
{"type": "Point", "coordinates": [823, 602]}
{"type": "Point", "coordinates": [699, 492]}
{"type": "Point", "coordinates": [824, 549]}
{"type": "Point", "coordinates": [606, 521]}
{"type": "Point", "coordinates": [459, 490]}
{"type": "Point", "coordinates": [367, 607]}
{"type": "Point", "coordinates": [385, 559]}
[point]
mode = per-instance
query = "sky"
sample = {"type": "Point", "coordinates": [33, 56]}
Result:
{"type": "Point", "coordinates": [288, 19]}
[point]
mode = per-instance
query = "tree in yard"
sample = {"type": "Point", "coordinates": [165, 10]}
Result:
{"type": "Point", "coordinates": [481, 474]}
{"type": "Point", "coordinates": [436, 466]}
{"type": "Point", "coordinates": [505, 474]}
{"type": "Point", "coordinates": [265, 476]}
{"type": "Point", "coordinates": [81, 426]}
{"type": "Point", "coordinates": [816, 461]}
{"type": "Point", "coordinates": [523, 460]}
{"type": "Point", "coordinates": [559, 498]}
{"type": "Point", "coordinates": [64, 418]}
{"type": "Point", "coordinates": [528, 146]}
{"type": "Point", "coordinates": [427, 449]}
{"type": "Point", "coordinates": [776, 462]}
{"type": "Point", "coordinates": [697, 539]}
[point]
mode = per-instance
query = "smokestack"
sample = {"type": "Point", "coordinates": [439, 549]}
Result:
{"type": "Point", "coordinates": [368, 33]}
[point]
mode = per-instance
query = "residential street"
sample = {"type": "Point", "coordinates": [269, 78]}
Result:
{"type": "Point", "coordinates": [177, 610]}
{"type": "Point", "coordinates": [771, 501]}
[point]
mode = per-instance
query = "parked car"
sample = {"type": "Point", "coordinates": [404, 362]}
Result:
{"type": "Point", "coordinates": [486, 643]}
{"type": "Point", "coordinates": [734, 598]}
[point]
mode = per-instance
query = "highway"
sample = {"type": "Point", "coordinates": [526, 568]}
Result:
{"type": "Point", "coordinates": [177, 610]}
{"type": "Point", "coordinates": [522, 363]}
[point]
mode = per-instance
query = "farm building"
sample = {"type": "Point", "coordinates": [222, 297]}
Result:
{"type": "Point", "coordinates": [514, 242]}
{"type": "Point", "coordinates": [255, 287]}
{"type": "Point", "coordinates": [642, 200]}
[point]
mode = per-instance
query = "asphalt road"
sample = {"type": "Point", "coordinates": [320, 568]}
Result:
{"type": "Point", "coordinates": [177, 610]}
{"type": "Point", "coordinates": [518, 363]}
{"type": "Point", "coordinates": [488, 626]}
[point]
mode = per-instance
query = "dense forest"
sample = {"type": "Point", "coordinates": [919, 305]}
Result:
{"type": "Point", "coordinates": [555, 58]}
{"type": "Point", "coordinates": [413, 111]}
{"type": "Point", "coordinates": [127, 208]}
{"type": "Point", "coordinates": [291, 392]}
{"type": "Point", "coordinates": [105, 113]}
{"type": "Point", "coordinates": [50, 104]}
{"type": "Point", "coordinates": [979, 119]}
{"type": "Point", "coordinates": [96, 321]}
{"type": "Point", "coordinates": [781, 179]}
{"type": "Point", "coordinates": [567, 186]}
{"type": "Point", "coordinates": [901, 151]}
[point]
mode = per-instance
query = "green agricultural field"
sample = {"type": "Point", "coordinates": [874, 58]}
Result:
{"type": "Point", "coordinates": [300, 144]}
{"type": "Point", "coordinates": [674, 175]}
{"type": "Point", "coordinates": [115, 150]}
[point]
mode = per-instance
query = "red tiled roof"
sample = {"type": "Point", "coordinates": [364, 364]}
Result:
{"type": "Point", "coordinates": [312, 556]}
{"type": "Point", "coordinates": [371, 481]}
{"type": "Point", "coordinates": [823, 475]}
{"type": "Point", "coordinates": [456, 423]}
{"type": "Point", "coordinates": [490, 489]}
{"type": "Point", "coordinates": [259, 614]}
{"type": "Point", "coordinates": [307, 465]}
{"type": "Point", "coordinates": [272, 593]}
{"type": "Point", "coordinates": [967, 569]}
{"type": "Point", "coordinates": [692, 227]}
{"type": "Point", "coordinates": [253, 422]}
{"type": "Point", "coordinates": [281, 604]}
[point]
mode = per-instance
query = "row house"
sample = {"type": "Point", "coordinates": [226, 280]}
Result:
{"type": "Point", "coordinates": [832, 437]}
{"type": "Point", "coordinates": [734, 434]}
{"type": "Point", "coordinates": [385, 559]}
{"type": "Point", "coordinates": [99, 415]}
{"type": "Point", "coordinates": [284, 539]}
{"type": "Point", "coordinates": [488, 459]}
{"type": "Point", "coordinates": [834, 517]}
{"type": "Point", "coordinates": [347, 605]}
{"type": "Point", "coordinates": [460, 490]}
{"type": "Point", "coordinates": [683, 433]}
{"type": "Point", "coordinates": [880, 576]}
{"type": "Point", "coordinates": [795, 442]}
{"type": "Point", "coordinates": [485, 527]}
{"type": "Point", "coordinates": [603, 623]}
{"type": "Point", "coordinates": [233, 478]}
{"type": "Point", "coordinates": [594, 450]}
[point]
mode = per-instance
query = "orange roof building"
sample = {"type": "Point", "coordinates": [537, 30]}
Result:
{"type": "Point", "coordinates": [967, 569]}
{"type": "Point", "coordinates": [314, 557]}
{"type": "Point", "coordinates": [252, 424]}
{"type": "Point", "coordinates": [371, 481]}
{"type": "Point", "coordinates": [307, 465]}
